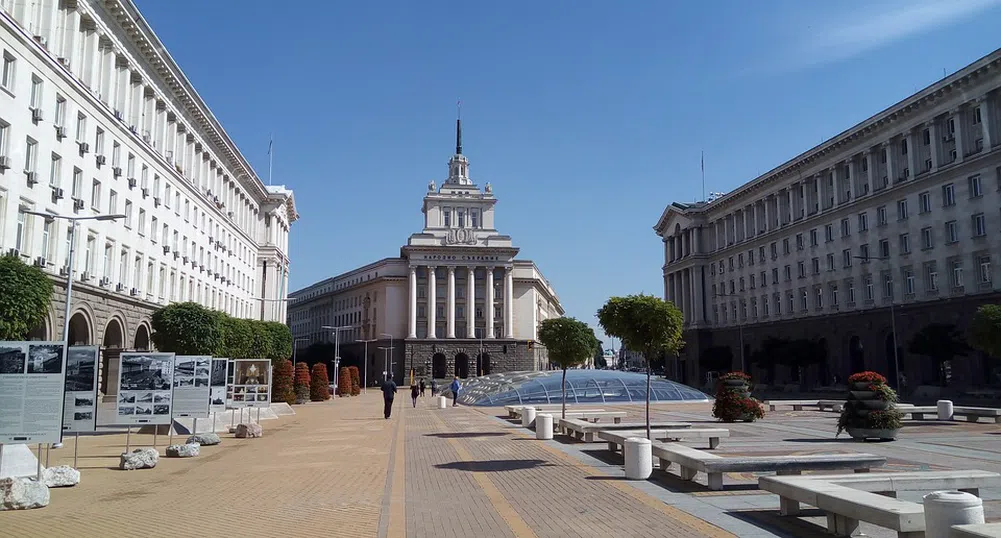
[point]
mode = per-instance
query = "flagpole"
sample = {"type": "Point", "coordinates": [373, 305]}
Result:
{"type": "Point", "coordinates": [703, 176]}
{"type": "Point", "coordinates": [271, 157]}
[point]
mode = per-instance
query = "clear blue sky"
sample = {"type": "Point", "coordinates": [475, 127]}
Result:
{"type": "Point", "coordinates": [588, 117]}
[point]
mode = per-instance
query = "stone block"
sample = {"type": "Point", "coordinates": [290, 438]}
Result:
{"type": "Point", "coordinates": [187, 450]}
{"type": "Point", "coordinates": [61, 476]}
{"type": "Point", "coordinates": [22, 494]}
{"type": "Point", "coordinates": [140, 458]}
{"type": "Point", "coordinates": [244, 431]}
{"type": "Point", "coordinates": [205, 439]}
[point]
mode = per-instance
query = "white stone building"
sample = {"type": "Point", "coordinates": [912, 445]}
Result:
{"type": "Point", "coordinates": [97, 118]}
{"type": "Point", "coordinates": [459, 276]}
{"type": "Point", "coordinates": [901, 209]}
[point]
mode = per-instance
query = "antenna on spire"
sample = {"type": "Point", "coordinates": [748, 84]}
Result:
{"type": "Point", "coordinates": [458, 127]}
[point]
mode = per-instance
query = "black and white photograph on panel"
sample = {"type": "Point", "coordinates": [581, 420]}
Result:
{"type": "Point", "coordinates": [146, 383]}
{"type": "Point", "coordinates": [191, 386]}
{"type": "Point", "coordinates": [81, 367]}
{"type": "Point", "coordinates": [45, 359]}
{"type": "Point", "coordinates": [217, 385]}
{"type": "Point", "coordinates": [32, 391]}
{"type": "Point", "coordinates": [80, 406]}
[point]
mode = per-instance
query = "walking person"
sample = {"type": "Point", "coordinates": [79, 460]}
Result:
{"type": "Point", "coordinates": [414, 393]}
{"type": "Point", "coordinates": [455, 391]}
{"type": "Point", "coordinates": [422, 387]}
{"type": "Point", "coordinates": [388, 393]}
{"type": "Point", "coordinates": [434, 387]}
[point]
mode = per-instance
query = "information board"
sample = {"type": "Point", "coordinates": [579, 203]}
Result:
{"type": "Point", "coordinates": [251, 383]}
{"type": "Point", "coordinates": [217, 385]}
{"type": "Point", "coordinates": [80, 407]}
{"type": "Point", "coordinates": [191, 386]}
{"type": "Point", "coordinates": [31, 392]}
{"type": "Point", "coordinates": [145, 383]}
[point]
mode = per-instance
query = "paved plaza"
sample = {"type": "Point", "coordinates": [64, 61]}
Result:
{"type": "Point", "coordinates": [339, 469]}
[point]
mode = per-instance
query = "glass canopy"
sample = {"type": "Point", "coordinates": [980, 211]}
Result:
{"type": "Point", "coordinates": [583, 386]}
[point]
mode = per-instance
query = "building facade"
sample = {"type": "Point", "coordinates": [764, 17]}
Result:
{"type": "Point", "coordinates": [455, 302]}
{"type": "Point", "coordinates": [97, 119]}
{"type": "Point", "coordinates": [900, 210]}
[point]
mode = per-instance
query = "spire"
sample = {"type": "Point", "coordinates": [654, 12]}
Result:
{"type": "Point", "coordinates": [458, 127]}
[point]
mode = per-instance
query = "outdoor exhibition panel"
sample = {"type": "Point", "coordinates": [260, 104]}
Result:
{"type": "Point", "coordinates": [80, 407]}
{"type": "Point", "coordinates": [217, 385]}
{"type": "Point", "coordinates": [145, 386]}
{"type": "Point", "coordinates": [251, 383]}
{"type": "Point", "coordinates": [31, 392]}
{"type": "Point", "coordinates": [191, 386]}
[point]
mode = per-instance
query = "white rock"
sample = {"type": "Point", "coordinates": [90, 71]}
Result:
{"type": "Point", "coordinates": [140, 458]}
{"type": "Point", "coordinates": [249, 430]}
{"type": "Point", "coordinates": [61, 476]}
{"type": "Point", "coordinates": [22, 494]}
{"type": "Point", "coordinates": [187, 450]}
{"type": "Point", "coordinates": [205, 439]}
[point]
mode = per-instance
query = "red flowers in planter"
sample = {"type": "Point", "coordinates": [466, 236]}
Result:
{"type": "Point", "coordinates": [733, 399]}
{"type": "Point", "coordinates": [867, 377]}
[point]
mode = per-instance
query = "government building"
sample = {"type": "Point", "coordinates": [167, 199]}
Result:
{"type": "Point", "coordinates": [96, 119]}
{"type": "Point", "coordinates": [887, 228]}
{"type": "Point", "coordinates": [456, 301]}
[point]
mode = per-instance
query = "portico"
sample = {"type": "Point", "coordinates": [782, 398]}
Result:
{"type": "Point", "coordinates": [470, 303]}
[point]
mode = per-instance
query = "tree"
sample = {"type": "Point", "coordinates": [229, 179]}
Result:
{"type": "Point", "coordinates": [644, 323]}
{"type": "Point", "coordinates": [985, 332]}
{"type": "Point", "coordinates": [599, 357]}
{"type": "Point", "coordinates": [282, 380]}
{"type": "Point", "coordinates": [187, 329]}
{"type": "Point", "coordinates": [940, 342]}
{"type": "Point", "coordinates": [25, 295]}
{"type": "Point", "coordinates": [570, 342]}
{"type": "Point", "coordinates": [237, 337]}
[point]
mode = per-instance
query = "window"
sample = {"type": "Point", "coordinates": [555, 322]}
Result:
{"type": "Point", "coordinates": [153, 228]}
{"type": "Point", "coordinates": [166, 234]}
{"type": "Point", "coordinates": [4, 132]}
{"type": "Point", "coordinates": [474, 218]}
{"type": "Point", "coordinates": [908, 282]}
{"type": "Point", "coordinates": [166, 196]}
{"type": "Point", "coordinates": [788, 273]}
{"type": "Point", "coordinates": [35, 97]}
{"type": "Point", "coordinates": [845, 228]}
{"type": "Point", "coordinates": [792, 302]}
{"type": "Point", "coordinates": [884, 248]}
{"type": "Point", "coordinates": [30, 155]}
{"type": "Point", "coordinates": [775, 275]}
{"type": "Point", "coordinates": [887, 285]}
{"type": "Point", "coordinates": [68, 244]}
{"type": "Point", "coordinates": [976, 189]}
{"type": "Point", "coordinates": [863, 222]}
{"type": "Point", "coordinates": [95, 195]}
{"type": "Point", "coordinates": [109, 252]}
{"type": "Point", "coordinates": [7, 75]}
{"type": "Point", "coordinates": [116, 154]}
{"type": "Point", "coordinates": [801, 269]}
{"type": "Point", "coordinates": [752, 281]}
{"type": "Point", "coordinates": [775, 250]}
{"type": "Point", "coordinates": [142, 221]}
{"type": "Point", "coordinates": [846, 257]}
{"type": "Point", "coordinates": [761, 254]}
{"type": "Point", "coordinates": [957, 274]}
{"type": "Point", "coordinates": [979, 225]}
{"type": "Point", "coordinates": [128, 214]}
{"type": "Point", "coordinates": [112, 202]}
{"type": "Point", "coordinates": [799, 241]}
{"type": "Point", "coordinates": [803, 300]}
{"type": "Point", "coordinates": [20, 239]}
{"type": "Point", "coordinates": [881, 215]}
{"type": "Point", "coordinates": [820, 297]}
{"type": "Point", "coordinates": [785, 246]}
{"type": "Point", "coordinates": [863, 252]}
{"type": "Point", "coordinates": [931, 277]}
{"type": "Point", "coordinates": [905, 243]}
{"type": "Point", "coordinates": [830, 262]}
{"type": "Point", "coordinates": [177, 202]}
{"type": "Point", "coordinates": [55, 170]}
{"type": "Point", "coordinates": [901, 209]}
{"type": "Point", "coordinates": [47, 225]}
{"type": "Point", "coordinates": [813, 238]}
{"type": "Point", "coordinates": [130, 166]}
{"type": "Point", "coordinates": [123, 266]}
{"type": "Point", "coordinates": [816, 265]}
{"type": "Point", "coordinates": [99, 142]}
{"type": "Point", "coordinates": [924, 201]}
{"type": "Point", "coordinates": [89, 255]}
{"type": "Point", "coordinates": [829, 233]}
{"type": "Point", "coordinates": [60, 119]}
{"type": "Point", "coordinates": [951, 231]}
{"type": "Point", "coordinates": [851, 292]}
{"type": "Point", "coordinates": [868, 288]}
{"type": "Point", "coordinates": [447, 214]}
{"type": "Point", "coordinates": [948, 195]}
{"type": "Point", "coordinates": [985, 269]}
{"type": "Point", "coordinates": [926, 238]}
{"type": "Point", "coordinates": [81, 128]}
{"type": "Point", "coordinates": [460, 215]}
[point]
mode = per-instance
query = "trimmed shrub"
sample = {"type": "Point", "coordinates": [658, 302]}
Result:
{"type": "Point", "coordinates": [733, 399]}
{"type": "Point", "coordinates": [355, 380]}
{"type": "Point", "coordinates": [319, 385]}
{"type": "Point", "coordinates": [301, 383]}
{"type": "Point", "coordinates": [283, 391]}
{"type": "Point", "coordinates": [344, 382]}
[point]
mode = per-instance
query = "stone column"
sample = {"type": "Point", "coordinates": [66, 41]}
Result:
{"type": "Point", "coordinates": [819, 196]}
{"type": "Point", "coordinates": [912, 154]}
{"type": "Point", "coordinates": [870, 173]}
{"type": "Point", "coordinates": [471, 302]}
{"type": "Point", "coordinates": [509, 302]}
{"type": "Point", "coordinates": [764, 210]}
{"type": "Point", "coordinates": [450, 313]}
{"type": "Point", "coordinates": [890, 169]}
{"type": "Point", "coordinates": [935, 146]}
{"type": "Point", "coordinates": [489, 307]}
{"type": "Point", "coordinates": [789, 203]}
{"type": "Point", "coordinates": [432, 302]}
{"type": "Point", "coordinates": [802, 199]}
{"type": "Point", "coordinates": [960, 146]}
{"type": "Point", "coordinates": [985, 122]}
{"type": "Point", "coordinates": [852, 177]}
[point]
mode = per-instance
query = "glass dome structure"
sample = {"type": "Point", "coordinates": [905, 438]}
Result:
{"type": "Point", "coordinates": [583, 386]}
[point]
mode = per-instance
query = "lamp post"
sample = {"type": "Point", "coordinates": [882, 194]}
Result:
{"type": "Point", "coordinates": [366, 364]}
{"type": "Point", "coordinates": [295, 348]}
{"type": "Point", "coordinates": [893, 316]}
{"type": "Point", "coordinates": [390, 345]}
{"type": "Point", "coordinates": [740, 331]}
{"type": "Point", "coordinates": [337, 349]}
{"type": "Point", "coordinates": [69, 274]}
{"type": "Point", "coordinates": [387, 372]}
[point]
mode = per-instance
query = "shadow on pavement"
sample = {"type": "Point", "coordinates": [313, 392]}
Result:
{"type": "Point", "coordinates": [492, 466]}
{"type": "Point", "coordinates": [464, 435]}
{"type": "Point", "coordinates": [784, 526]}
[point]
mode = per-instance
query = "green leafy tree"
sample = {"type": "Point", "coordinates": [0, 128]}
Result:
{"type": "Point", "coordinates": [940, 342]}
{"type": "Point", "coordinates": [570, 342]}
{"type": "Point", "coordinates": [237, 337]}
{"type": "Point", "coordinates": [280, 340]}
{"type": "Point", "coordinates": [647, 324]}
{"type": "Point", "coordinates": [187, 329]}
{"type": "Point", "coordinates": [985, 332]}
{"type": "Point", "coordinates": [25, 295]}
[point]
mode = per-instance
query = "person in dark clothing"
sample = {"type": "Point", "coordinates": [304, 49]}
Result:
{"type": "Point", "coordinates": [414, 392]}
{"type": "Point", "coordinates": [422, 387]}
{"type": "Point", "coordinates": [434, 387]}
{"type": "Point", "coordinates": [455, 390]}
{"type": "Point", "coordinates": [388, 393]}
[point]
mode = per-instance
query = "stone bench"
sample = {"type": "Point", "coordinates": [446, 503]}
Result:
{"type": "Point", "coordinates": [516, 413]}
{"type": "Point", "coordinates": [694, 461]}
{"type": "Point", "coordinates": [596, 416]}
{"type": "Point", "coordinates": [617, 438]}
{"type": "Point", "coordinates": [585, 431]}
{"type": "Point", "coordinates": [797, 405]}
{"type": "Point", "coordinates": [972, 414]}
{"type": "Point", "coordinates": [848, 499]}
{"type": "Point", "coordinates": [833, 405]}
{"type": "Point", "coordinates": [982, 530]}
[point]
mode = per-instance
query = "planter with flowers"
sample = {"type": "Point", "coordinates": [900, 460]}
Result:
{"type": "Point", "coordinates": [870, 410]}
{"type": "Point", "coordinates": [733, 399]}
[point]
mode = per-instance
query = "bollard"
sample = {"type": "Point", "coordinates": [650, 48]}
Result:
{"type": "Point", "coordinates": [944, 409]}
{"type": "Point", "coordinates": [528, 417]}
{"type": "Point", "coordinates": [943, 509]}
{"type": "Point", "coordinates": [544, 427]}
{"type": "Point", "coordinates": [639, 459]}
{"type": "Point", "coordinates": [442, 402]}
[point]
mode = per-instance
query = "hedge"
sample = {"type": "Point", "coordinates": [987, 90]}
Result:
{"type": "Point", "coordinates": [283, 390]}
{"type": "Point", "coordinates": [355, 380]}
{"type": "Point", "coordinates": [301, 382]}
{"type": "Point", "coordinates": [191, 329]}
{"type": "Point", "coordinates": [344, 385]}
{"type": "Point", "coordinates": [319, 385]}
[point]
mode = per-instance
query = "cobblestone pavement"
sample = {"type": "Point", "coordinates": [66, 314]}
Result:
{"type": "Point", "coordinates": [339, 469]}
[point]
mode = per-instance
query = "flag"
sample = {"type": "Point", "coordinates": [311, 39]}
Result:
{"type": "Point", "coordinates": [270, 143]}
{"type": "Point", "coordinates": [703, 162]}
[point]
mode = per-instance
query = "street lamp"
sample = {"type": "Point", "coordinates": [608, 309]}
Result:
{"type": "Point", "coordinates": [69, 275]}
{"type": "Point", "coordinates": [366, 363]}
{"type": "Point", "coordinates": [337, 348]}
{"type": "Point", "coordinates": [893, 316]}
{"type": "Point", "coordinates": [390, 342]}
{"type": "Point", "coordinates": [740, 330]}
{"type": "Point", "coordinates": [296, 348]}
{"type": "Point", "coordinates": [387, 373]}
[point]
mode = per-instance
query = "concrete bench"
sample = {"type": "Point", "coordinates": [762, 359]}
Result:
{"type": "Point", "coordinates": [972, 414]}
{"type": "Point", "coordinates": [516, 413]}
{"type": "Point", "coordinates": [585, 431]}
{"type": "Point", "coordinates": [694, 461]}
{"type": "Point", "coordinates": [617, 438]}
{"type": "Point", "coordinates": [797, 405]}
{"type": "Point", "coordinates": [596, 416]}
{"type": "Point", "coordinates": [983, 530]}
{"type": "Point", "coordinates": [848, 499]}
{"type": "Point", "coordinates": [833, 405]}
